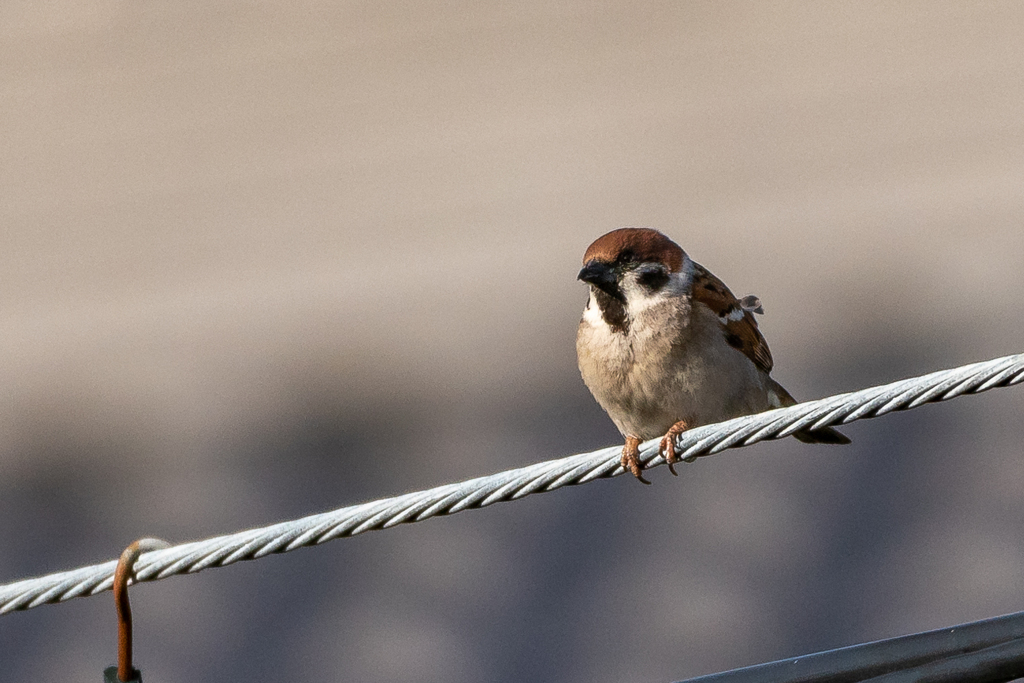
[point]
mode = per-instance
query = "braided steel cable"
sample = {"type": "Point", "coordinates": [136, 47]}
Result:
{"type": "Point", "coordinates": [220, 551]}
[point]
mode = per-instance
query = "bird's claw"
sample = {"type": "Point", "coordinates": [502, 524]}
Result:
{"type": "Point", "coordinates": [668, 445]}
{"type": "Point", "coordinates": [631, 458]}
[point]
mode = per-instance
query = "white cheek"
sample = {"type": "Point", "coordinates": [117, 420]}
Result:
{"type": "Point", "coordinates": [639, 299]}
{"type": "Point", "coordinates": [592, 313]}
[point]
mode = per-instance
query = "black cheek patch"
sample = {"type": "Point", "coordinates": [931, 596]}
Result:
{"type": "Point", "coordinates": [653, 280]}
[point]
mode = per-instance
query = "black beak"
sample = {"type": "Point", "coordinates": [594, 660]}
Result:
{"type": "Point", "coordinates": [601, 275]}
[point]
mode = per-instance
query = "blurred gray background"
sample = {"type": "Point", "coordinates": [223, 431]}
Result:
{"type": "Point", "coordinates": [265, 260]}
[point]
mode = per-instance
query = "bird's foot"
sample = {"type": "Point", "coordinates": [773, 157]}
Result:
{"type": "Point", "coordinates": [631, 458]}
{"type": "Point", "coordinates": [668, 444]}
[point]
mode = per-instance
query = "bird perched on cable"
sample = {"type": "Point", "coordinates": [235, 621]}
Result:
{"type": "Point", "coordinates": [665, 346]}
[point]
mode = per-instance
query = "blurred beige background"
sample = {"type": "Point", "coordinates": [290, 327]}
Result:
{"type": "Point", "coordinates": [264, 260]}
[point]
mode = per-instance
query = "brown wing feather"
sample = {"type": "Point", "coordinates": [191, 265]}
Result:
{"type": "Point", "coordinates": [740, 332]}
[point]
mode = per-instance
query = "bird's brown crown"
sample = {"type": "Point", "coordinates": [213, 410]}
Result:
{"type": "Point", "coordinates": [642, 245]}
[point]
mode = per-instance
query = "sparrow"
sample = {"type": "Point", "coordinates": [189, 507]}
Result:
{"type": "Point", "coordinates": [665, 346]}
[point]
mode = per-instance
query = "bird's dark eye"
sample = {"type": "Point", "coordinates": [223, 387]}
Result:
{"type": "Point", "coordinates": [627, 256]}
{"type": "Point", "coordinates": [651, 276]}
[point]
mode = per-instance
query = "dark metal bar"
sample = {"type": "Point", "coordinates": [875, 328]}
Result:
{"type": "Point", "coordinates": [996, 664]}
{"type": "Point", "coordinates": [942, 647]}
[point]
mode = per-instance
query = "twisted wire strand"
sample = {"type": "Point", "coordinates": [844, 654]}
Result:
{"type": "Point", "coordinates": [221, 551]}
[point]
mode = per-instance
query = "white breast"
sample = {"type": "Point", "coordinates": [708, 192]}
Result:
{"type": "Point", "coordinates": [671, 364]}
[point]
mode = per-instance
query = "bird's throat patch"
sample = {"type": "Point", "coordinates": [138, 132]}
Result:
{"type": "Point", "coordinates": [613, 311]}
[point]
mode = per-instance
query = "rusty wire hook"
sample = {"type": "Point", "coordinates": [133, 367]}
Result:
{"type": "Point", "coordinates": [122, 575]}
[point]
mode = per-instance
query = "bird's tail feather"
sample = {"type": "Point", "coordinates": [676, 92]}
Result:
{"type": "Point", "coordinates": [823, 435]}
